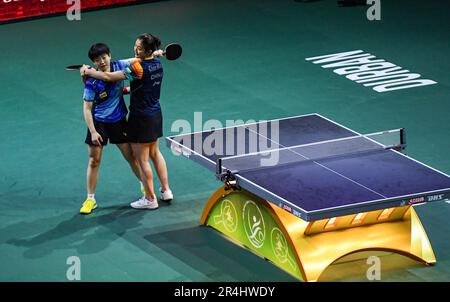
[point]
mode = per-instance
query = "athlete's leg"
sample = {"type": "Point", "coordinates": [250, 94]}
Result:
{"type": "Point", "coordinates": [160, 165]}
{"type": "Point", "coordinates": [141, 153]}
{"type": "Point", "coordinates": [95, 157]}
{"type": "Point", "coordinates": [127, 153]}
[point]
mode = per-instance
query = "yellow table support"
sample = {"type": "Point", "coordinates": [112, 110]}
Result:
{"type": "Point", "coordinates": [305, 249]}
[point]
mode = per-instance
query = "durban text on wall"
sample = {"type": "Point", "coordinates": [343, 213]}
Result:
{"type": "Point", "coordinates": [364, 68]}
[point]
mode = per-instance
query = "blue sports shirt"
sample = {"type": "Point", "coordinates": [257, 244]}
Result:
{"type": "Point", "coordinates": [109, 105]}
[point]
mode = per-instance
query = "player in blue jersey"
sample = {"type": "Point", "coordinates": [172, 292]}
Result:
{"type": "Point", "coordinates": [145, 119]}
{"type": "Point", "coordinates": [105, 115]}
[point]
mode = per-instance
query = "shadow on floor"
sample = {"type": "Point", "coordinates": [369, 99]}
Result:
{"type": "Point", "coordinates": [212, 255]}
{"type": "Point", "coordinates": [85, 233]}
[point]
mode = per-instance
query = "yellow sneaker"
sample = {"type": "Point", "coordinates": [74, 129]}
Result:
{"type": "Point", "coordinates": [88, 206]}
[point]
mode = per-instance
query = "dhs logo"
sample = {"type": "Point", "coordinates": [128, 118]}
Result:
{"type": "Point", "coordinates": [436, 197]}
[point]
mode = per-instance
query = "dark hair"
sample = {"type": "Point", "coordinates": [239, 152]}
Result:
{"type": "Point", "coordinates": [149, 42]}
{"type": "Point", "coordinates": [97, 50]}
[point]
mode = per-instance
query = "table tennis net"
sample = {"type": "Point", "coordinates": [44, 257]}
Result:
{"type": "Point", "coordinates": [280, 155]}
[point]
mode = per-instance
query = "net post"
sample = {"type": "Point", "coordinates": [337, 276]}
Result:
{"type": "Point", "coordinates": [219, 168]}
{"type": "Point", "coordinates": [402, 138]}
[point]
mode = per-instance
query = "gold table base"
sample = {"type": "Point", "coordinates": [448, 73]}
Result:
{"type": "Point", "coordinates": [318, 244]}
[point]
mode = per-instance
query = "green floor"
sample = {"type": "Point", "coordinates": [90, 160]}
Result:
{"type": "Point", "coordinates": [242, 60]}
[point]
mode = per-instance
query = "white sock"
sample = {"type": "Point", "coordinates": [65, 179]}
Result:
{"type": "Point", "coordinates": [91, 196]}
{"type": "Point", "coordinates": [142, 185]}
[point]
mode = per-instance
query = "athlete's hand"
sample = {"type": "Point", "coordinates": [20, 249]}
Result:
{"type": "Point", "coordinates": [96, 138]}
{"type": "Point", "coordinates": [83, 69]}
{"type": "Point", "coordinates": [158, 53]}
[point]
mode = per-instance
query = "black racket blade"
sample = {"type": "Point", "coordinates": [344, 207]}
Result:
{"type": "Point", "coordinates": [73, 67]}
{"type": "Point", "coordinates": [173, 51]}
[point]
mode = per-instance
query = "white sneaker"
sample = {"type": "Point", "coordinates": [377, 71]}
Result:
{"type": "Point", "coordinates": [144, 203]}
{"type": "Point", "coordinates": [166, 195]}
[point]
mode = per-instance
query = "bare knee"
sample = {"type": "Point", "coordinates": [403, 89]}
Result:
{"type": "Point", "coordinates": [130, 158]}
{"type": "Point", "coordinates": [94, 162]}
{"type": "Point", "coordinates": [140, 160]}
{"type": "Point", "coordinates": [154, 152]}
{"type": "Point", "coordinates": [140, 153]}
{"type": "Point", "coordinates": [154, 155]}
{"type": "Point", "coordinates": [142, 163]}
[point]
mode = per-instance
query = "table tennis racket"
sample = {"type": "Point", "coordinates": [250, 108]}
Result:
{"type": "Point", "coordinates": [73, 67]}
{"type": "Point", "coordinates": [173, 51]}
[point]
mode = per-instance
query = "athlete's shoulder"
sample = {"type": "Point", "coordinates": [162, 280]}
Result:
{"type": "Point", "coordinates": [135, 68]}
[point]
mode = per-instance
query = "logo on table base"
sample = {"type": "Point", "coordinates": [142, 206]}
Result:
{"type": "Point", "coordinates": [254, 224]}
{"type": "Point", "coordinates": [280, 248]}
{"type": "Point", "coordinates": [228, 216]}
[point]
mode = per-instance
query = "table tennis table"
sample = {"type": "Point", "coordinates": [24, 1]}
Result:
{"type": "Point", "coordinates": [305, 191]}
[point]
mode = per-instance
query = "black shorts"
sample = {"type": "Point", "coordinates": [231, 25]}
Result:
{"type": "Point", "coordinates": [144, 129]}
{"type": "Point", "coordinates": [114, 132]}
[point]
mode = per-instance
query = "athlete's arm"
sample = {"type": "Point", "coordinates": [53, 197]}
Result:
{"type": "Point", "coordinates": [104, 76]}
{"type": "Point", "coordinates": [87, 112]}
